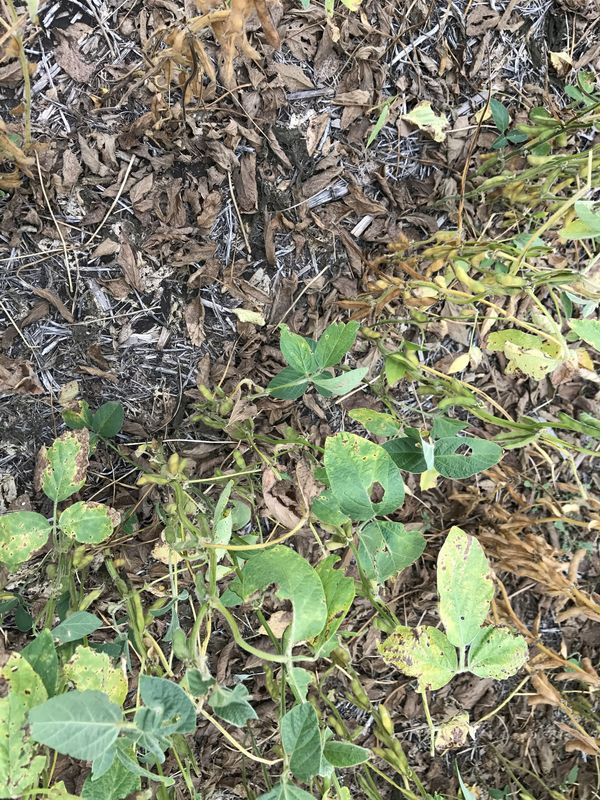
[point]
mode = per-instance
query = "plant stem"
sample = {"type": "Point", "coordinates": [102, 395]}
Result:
{"type": "Point", "coordinates": [429, 720]}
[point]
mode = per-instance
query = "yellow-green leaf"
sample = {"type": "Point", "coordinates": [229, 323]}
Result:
{"type": "Point", "coordinates": [88, 669]}
{"type": "Point", "coordinates": [425, 118]}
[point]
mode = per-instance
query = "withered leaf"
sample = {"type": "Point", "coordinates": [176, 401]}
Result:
{"type": "Point", "coordinates": [194, 321]}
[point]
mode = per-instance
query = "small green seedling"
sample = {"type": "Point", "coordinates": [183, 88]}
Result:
{"type": "Point", "coordinates": [60, 472]}
{"type": "Point", "coordinates": [310, 362]}
{"type": "Point", "coordinates": [465, 590]}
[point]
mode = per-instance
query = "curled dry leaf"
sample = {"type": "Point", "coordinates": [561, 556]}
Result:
{"type": "Point", "coordinates": [18, 377]}
{"type": "Point", "coordinates": [282, 513]}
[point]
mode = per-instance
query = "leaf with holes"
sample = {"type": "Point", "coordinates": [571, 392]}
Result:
{"type": "Point", "coordinates": [424, 653]}
{"type": "Point", "coordinates": [357, 469]}
{"type": "Point", "coordinates": [335, 341]}
{"type": "Point", "coordinates": [386, 548]}
{"type": "Point", "coordinates": [375, 422]}
{"type": "Point", "coordinates": [61, 469]}
{"type": "Point", "coordinates": [20, 768]}
{"type": "Point", "coordinates": [24, 681]}
{"type": "Point", "coordinates": [451, 462]}
{"type": "Point", "coordinates": [88, 522]}
{"type": "Point", "coordinates": [327, 510]}
{"type": "Point", "coordinates": [465, 587]}
{"type": "Point", "coordinates": [82, 725]}
{"type": "Point", "coordinates": [301, 740]}
{"type": "Point", "coordinates": [88, 669]}
{"type": "Point", "coordinates": [496, 653]}
{"type": "Point", "coordinates": [535, 356]}
{"type": "Point", "coordinates": [21, 534]}
{"type": "Point", "coordinates": [297, 581]}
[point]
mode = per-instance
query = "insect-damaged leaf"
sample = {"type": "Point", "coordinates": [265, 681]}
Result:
{"type": "Point", "coordinates": [497, 653]}
{"type": "Point", "coordinates": [386, 548]}
{"type": "Point", "coordinates": [88, 669]}
{"type": "Point", "coordinates": [297, 582]}
{"type": "Point", "coordinates": [423, 653]}
{"type": "Point", "coordinates": [465, 587]}
{"type": "Point", "coordinates": [21, 534]}
{"type": "Point", "coordinates": [450, 460]}
{"type": "Point", "coordinates": [61, 469]}
{"type": "Point", "coordinates": [19, 767]}
{"type": "Point", "coordinates": [88, 522]}
{"type": "Point", "coordinates": [356, 468]}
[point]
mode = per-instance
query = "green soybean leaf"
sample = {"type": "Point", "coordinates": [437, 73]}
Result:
{"type": "Point", "coordinates": [75, 627]}
{"type": "Point", "coordinates": [170, 703]}
{"type": "Point", "coordinates": [500, 115]}
{"type": "Point", "coordinates": [232, 704]}
{"type": "Point", "coordinates": [423, 653]}
{"type": "Point", "coordinates": [444, 426]}
{"type": "Point", "coordinates": [286, 791]}
{"type": "Point", "coordinates": [108, 419]}
{"type": "Point", "coordinates": [345, 754]}
{"type": "Point", "coordinates": [335, 341]}
{"type": "Point", "coordinates": [303, 679]}
{"type": "Point", "coordinates": [41, 655]}
{"type": "Point", "coordinates": [297, 582]}
{"type": "Point", "coordinates": [301, 740]}
{"type": "Point", "coordinates": [61, 469]}
{"type": "Point", "coordinates": [339, 594]}
{"type": "Point", "coordinates": [297, 351]}
{"type": "Point", "coordinates": [326, 508]}
{"type": "Point", "coordinates": [24, 681]}
{"type": "Point", "coordinates": [340, 384]}
{"type": "Point", "coordinates": [375, 422]}
{"type": "Point", "coordinates": [88, 522]}
{"type": "Point", "coordinates": [20, 768]}
{"type": "Point", "coordinates": [412, 453]}
{"type": "Point", "coordinates": [465, 587]}
{"type": "Point", "coordinates": [588, 330]}
{"type": "Point", "coordinates": [451, 461]}
{"type": "Point", "coordinates": [78, 724]}
{"type": "Point", "coordinates": [289, 384]}
{"type": "Point", "coordinates": [355, 467]}
{"type": "Point", "coordinates": [116, 784]}
{"type": "Point", "coordinates": [380, 121]}
{"type": "Point", "coordinates": [496, 653]}
{"type": "Point", "coordinates": [21, 534]}
{"type": "Point", "coordinates": [88, 669]}
{"type": "Point", "coordinates": [386, 548]}
{"type": "Point", "coordinates": [198, 683]}
{"type": "Point", "coordinates": [586, 226]}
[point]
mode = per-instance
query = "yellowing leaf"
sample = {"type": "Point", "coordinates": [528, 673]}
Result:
{"type": "Point", "coordinates": [460, 363]}
{"type": "Point", "coordinates": [88, 669]}
{"type": "Point", "coordinates": [562, 62]}
{"type": "Point", "coordinates": [245, 315]}
{"type": "Point", "coordinates": [425, 118]}
{"type": "Point", "coordinates": [428, 479]}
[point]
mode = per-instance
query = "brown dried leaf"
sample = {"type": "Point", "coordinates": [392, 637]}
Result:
{"type": "Point", "coordinates": [284, 515]}
{"type": "Point", "coordinates": [194, 321]}
{"type": "Point", "coordinates": [54, 299]}
{"type": "Point", "coordinates": [17, 377]}
{"type": "Point", "coordinates": [69, 58]}
{"type": "Point", "coordinates": [129, 264]}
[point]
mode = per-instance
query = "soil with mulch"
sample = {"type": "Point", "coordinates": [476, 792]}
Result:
{"type": "Point", "coordinates": [157, 244]}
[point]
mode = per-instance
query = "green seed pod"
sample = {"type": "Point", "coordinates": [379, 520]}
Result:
{"type": "Point", "coordinates": [360, 697]}
{"type": "Point", "coordinates": [385, 720]}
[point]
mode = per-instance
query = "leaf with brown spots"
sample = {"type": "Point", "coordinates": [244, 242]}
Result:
{"type": "Point", "coordinates": [423, 653]}
{"type": "Point", "coordinates": [61, 469]}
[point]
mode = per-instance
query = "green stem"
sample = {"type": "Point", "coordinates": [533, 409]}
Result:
{"type": "Point", "coordinates": [429, 720]}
